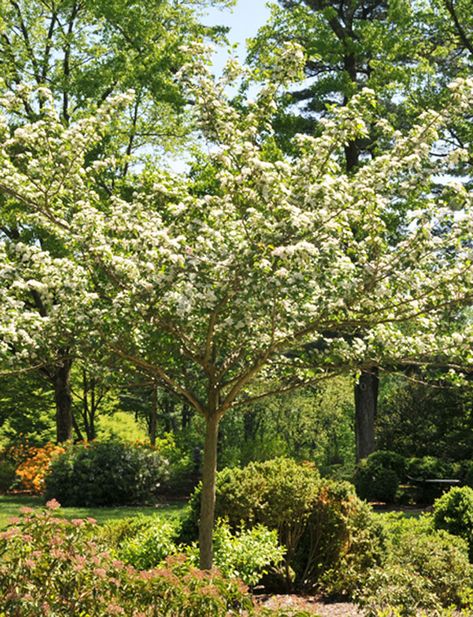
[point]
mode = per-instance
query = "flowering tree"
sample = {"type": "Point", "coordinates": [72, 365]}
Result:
{"type": "Point", "coordinates": [86, 52]}
{"type": "Point", "coordinates": [211, 282]}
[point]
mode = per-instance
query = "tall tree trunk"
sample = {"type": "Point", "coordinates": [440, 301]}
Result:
{"type": "Point", "coordinates": [366, 389]}
{"type": "Point", "coordinates": [63, 400]}
{"type": "Point", "coordinates": [366, 404]}
{"type": "Point", "coordinates": [207, 504]}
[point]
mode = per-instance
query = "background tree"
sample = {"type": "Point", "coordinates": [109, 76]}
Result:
{"type": "Point", "coordinates": [407, 52]}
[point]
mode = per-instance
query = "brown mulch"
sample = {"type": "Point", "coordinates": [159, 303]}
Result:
{"type": "Point", "coordinates": [310, 604]}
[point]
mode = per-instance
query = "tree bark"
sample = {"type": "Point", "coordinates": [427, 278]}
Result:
{"type": "Point", "coordinates": [366, 404]}
{"type": "Point", "coordinates": [63, 400]}
{"type": "Point", "coordinates": [207, 504]}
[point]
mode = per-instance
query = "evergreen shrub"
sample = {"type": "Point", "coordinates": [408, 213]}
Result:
{"type": "Point", "coordinates": [453, 512]}
{"type": "Point", "coordinates": [377, 477]}
{"type": "Point", "coordinates": [328, 533]}
{"type": "Point", "coordinates": [106, 473]}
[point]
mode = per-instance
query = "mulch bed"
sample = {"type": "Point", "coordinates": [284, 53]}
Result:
{"type": "Point", "coordinates": [310, 604]}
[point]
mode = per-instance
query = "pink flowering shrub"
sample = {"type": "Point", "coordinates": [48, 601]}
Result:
{"type": "Point", "coordinates": [51, 566]}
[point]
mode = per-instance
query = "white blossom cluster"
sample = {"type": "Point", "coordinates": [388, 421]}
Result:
{"type": "Point", "coordinates": [211, 289]}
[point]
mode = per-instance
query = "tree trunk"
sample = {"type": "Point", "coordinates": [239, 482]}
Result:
{"type": "Point", "coordinates": [207, 504]}
{"type": "Point", "coordinates": [366, 403]}
{"type": "Point", "coordinates": [63, 400]}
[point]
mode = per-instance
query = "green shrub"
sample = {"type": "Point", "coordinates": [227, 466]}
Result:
{"type": "Point", "coordinates": [278, 494]}
{"type": "Point", "coordinates": [427, 467]}
{"type": "Point", "coordinates": [115, 532]}
{"type": "Point", "coordinates": [151, 544]}
{"type": "Point", "coordinates": [424, 569]}
{"type": "Point", "coordinates": [393, 590]}
{"type": "Point", "coordinates": [453, 512]}
{"type": "Point", "coordinates": [326, 530]}
{"type": "Point", "coordinates": [145, 541]}
{"type": "Point", "coordinates": [246, 553]}
{"type": "Point", "coordinates": [374, 481]}
{"type": "Point", "coordinates": [390, 460]}
{"type": "Point", "coordinates": [342, 541]}
{"type": "Point", "coordinates": [50, 566]}
{"type": "Point", "coordinates": [106, 473]}
{"type": "Point", "coordinates": [7, 475]}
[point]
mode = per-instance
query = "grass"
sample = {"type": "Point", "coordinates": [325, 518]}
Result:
{"type": "Point", "coordinates": [11, 504]}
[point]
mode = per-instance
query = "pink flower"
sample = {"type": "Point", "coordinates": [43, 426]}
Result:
{"type": "Point", "coordinates": [26, 537]}
{"type": "Point", "coordinates": [91, 520]}
{"type": "Point", "coordinates": [53, 504]}
{"type": "Point", "coordinates": [77, 522]}
{"type": "Point", "coordinates": [26, 510]}
{"type": "Point", "coordinates": [100, 572]}
{"type": "Point", "coordinates": [14, 520]}
{"type": "Point", "coordinates": [29, 563]}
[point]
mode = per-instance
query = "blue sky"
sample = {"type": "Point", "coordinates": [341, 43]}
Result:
{"type": "Point", "coordinates": [243, 20]}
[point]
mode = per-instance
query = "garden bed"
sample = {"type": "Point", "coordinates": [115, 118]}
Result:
{"type": "Point", "coordinates": [310, 604]}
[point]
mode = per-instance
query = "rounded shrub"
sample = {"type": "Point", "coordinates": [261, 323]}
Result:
{"type": "Point", "coordinates": [390, 460]}
{"type": "Point", "coordinates": [453, 512]}
{"type": "Point", "coordinates": [278, 493]}
{"type": "Point", "coordinates": [106, 473]}
{"type": "Point", "coordinates": [326, 530]}
{"type": "Point", "coordinates": [375, 482]}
